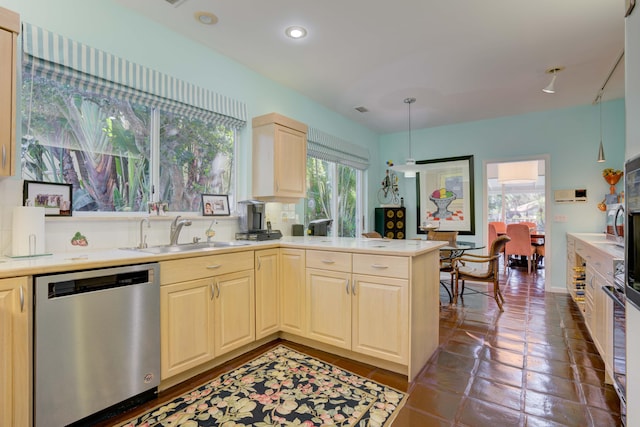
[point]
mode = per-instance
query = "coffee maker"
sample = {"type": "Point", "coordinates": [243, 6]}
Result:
{"type": "Point", "coordinates": [252, 219]}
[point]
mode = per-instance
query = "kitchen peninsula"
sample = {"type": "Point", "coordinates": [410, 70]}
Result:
{"type": "Point", "coordinates": [372, 300]}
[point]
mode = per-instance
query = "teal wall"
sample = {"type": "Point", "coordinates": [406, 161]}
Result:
{"type": "Point", "coordinates": [569, 137]}
{"type": "Point", "coordinates": [106, 25]}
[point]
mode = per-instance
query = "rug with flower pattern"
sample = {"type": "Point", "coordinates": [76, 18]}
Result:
{"type": "Point", "coordinates": [282, 387]}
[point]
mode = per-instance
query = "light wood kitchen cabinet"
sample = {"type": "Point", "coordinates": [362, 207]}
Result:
{"type": "Point", "coordinates": [186, 322]}
{"type": "Point", "coordinates": [292, 290]}
{"type": "Point", "coordinates": [9, 29]}
{"type": "Point", "coordinates": [267, 292]}
{"type": "Point", "coordinates": [329, 307]}
{"type": "Point", "coordinates": [380, 317]}
{"type": "Point", "coordinates": [234, 315]}
{"type": "Point", "coordinates": [15, 371]}
{"type": "Point", "coordinates": [279, 158]}
{"type": "Point", "coordinates": [206, 309]}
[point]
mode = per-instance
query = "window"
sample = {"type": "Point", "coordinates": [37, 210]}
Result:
{"type": "Point", "coordinates": [103, 147]}
{"type": "Point", "coordinates": [120, 133]}
{"type": "Point", "coordinates": [332, 192]}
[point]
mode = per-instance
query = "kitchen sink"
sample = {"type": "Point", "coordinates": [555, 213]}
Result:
{"type": "Point", "coordinates": [185, 247]}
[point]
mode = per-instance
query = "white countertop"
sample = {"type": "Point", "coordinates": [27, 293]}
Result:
{"type": "Point", "coordinates": [600, 242]}
{"type": "Point", "coordinates": [79, 260]}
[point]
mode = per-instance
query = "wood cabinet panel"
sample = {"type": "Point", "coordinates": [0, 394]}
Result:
{"type": "Point", "coordinates": [380, 320]}
{"type": "Point", "coordinates": [234, 315]}
{"type": "Point", "coordinates": [381, 265]}
{"type": "Point", "coordinates": [325, 260]}
{"type": "Point", "coordinates": [292, 290]}
{"type": "Point", "coordinates": [329, 307]}
{"type": "Point", "coordinates": [267, 292]}
{"type": "Point", "coordinates": [15, 355]}
{"type": "Point", "coordinates": [186, 324]}
{"type": "Point", "coordinates": [9, 27]}
{"type": "Point", "coordinates": [180, 270]}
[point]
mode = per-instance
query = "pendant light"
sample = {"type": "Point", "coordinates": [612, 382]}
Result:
{"type": "Point", "coordinates": [601, 149]}
{"type": "Point", "coordinates": [409, 168]}
{"type": "Point", "coordinates": [551, 87]}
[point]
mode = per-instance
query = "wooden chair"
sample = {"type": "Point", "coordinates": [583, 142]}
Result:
{"type": "Point", "coordinates": [491, 273]}
{"type": "Point", "coordinates": [520, 244]}
{"type": "Point", "coordinates": [372, 235]}
{"type": "Point", "coordinates": [446, 265]}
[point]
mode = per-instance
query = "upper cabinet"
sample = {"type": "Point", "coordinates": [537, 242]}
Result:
{"type": "Point", "coordinates": [9, 29]}
{"type": "Point", "coordinates": [279, 158]}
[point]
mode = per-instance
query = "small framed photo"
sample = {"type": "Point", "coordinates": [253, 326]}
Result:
{"type": "Point", "coordinates": [215, 205]}
{"type": "Point", "coordinates": [55, 198]}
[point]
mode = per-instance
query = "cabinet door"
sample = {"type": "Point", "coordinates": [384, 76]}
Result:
{"type": "Point", "coordinates": [267, 293]}
{"type": "Point", "coordinates": [15, 383]}
{"type": "Point", "coordinates": [7, 101]}
{"type": "Point", "coordinates": [603, 323]}
{"type": "Point", "coordinates": [329, 307]}
{"type": "Point", "coordinates": [290, 162]}
{"type": "Point", "coordinates": [380, 320]}
{"type": "Point", "coordinates": [186, 319]}
{"type": "Point", "coordinates": [234, 315]}
{"type": "Point", "coordinates": [292, 290]}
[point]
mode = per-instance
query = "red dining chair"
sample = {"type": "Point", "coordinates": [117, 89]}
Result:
{"type": "Point", "coordinates": [501, 227]}
{"type": "Point", "coordinates": [520, 244]}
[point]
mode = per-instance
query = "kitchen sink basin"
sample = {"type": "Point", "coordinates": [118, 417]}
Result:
{"type": "Point", "coordinates": [185, 247]}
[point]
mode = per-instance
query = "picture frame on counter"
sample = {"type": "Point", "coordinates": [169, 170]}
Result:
{"type": "Point", "coordinates": [55, 198]}
{"type": "Point", "coordinates": [215, 205]}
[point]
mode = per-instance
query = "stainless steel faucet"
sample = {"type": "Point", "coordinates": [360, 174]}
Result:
{"type": "Point", "coordinates": [176, 227]}
{"type": "Point", "coordinates": [143, 237]}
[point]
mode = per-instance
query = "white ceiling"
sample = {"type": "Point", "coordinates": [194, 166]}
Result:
{"type": "Point", "coordinates": [463, 60]}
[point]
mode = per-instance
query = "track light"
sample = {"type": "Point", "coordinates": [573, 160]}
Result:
{"type": "Point", "coordinates": [551, 86]}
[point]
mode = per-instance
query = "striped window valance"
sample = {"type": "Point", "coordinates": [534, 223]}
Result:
{"type": "Point", "coordinates": [332, 149]}
{"type": "Point", "coordinates": [59, 58]}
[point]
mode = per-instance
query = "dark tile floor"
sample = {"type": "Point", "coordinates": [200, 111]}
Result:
{"type": "Point", "coordinates": [532, 365]}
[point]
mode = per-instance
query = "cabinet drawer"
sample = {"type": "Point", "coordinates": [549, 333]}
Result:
{"type": "Point", "coordinates": [325, 260]}
{"type": "Point", "coordinates": [381, 265]}
{"type": "Point", "coordinates": [180, 270]}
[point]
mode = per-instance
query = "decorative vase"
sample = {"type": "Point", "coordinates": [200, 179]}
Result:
{"type": "Point", "coordinates": [612, 180]}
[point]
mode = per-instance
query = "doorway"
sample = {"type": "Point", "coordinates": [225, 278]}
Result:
{"type": "Point", "coordinates": [518, 191]}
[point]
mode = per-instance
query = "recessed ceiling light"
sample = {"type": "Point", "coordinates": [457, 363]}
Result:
{"type": "Point", "coordinates": [206, 18]}
{"type": "Point", "coordinates": [296, 32]}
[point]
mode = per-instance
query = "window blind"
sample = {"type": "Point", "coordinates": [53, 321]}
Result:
{"type": "Point", "coordinates": [332, 149]}
{"type": "Point", "coordinates": [62, 59]}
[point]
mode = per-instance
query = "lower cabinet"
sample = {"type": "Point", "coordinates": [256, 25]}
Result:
{"type": "Point", "coordinates": [234, 314]}
{"type": "Point", "coordinates": [15, 360]}
{"type": "Point", "coordinates": [292, 291]}
{"type": "Point", "coordinates": [329, 307]}
{"type": "Point", "coordinates": [208, 314]}
{"type": "Point", "coordinates": [380, 318]}
{"type": "Point", "coordinates": [267, 292]}
{"type": "Point", "coordinates": [186, 322]}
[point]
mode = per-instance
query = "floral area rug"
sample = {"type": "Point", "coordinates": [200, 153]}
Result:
{"type": "Point", "coordinates": [281, 387]}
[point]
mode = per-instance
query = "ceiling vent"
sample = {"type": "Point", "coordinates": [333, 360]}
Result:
{"type": "Point", "coordinates": [361, 109]}
{"type": "Point", "coordinates": [175, 3]}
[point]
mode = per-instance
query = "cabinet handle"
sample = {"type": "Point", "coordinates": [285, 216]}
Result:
{"type": "Point", "coordinates": [353, 288]}
{"type": "Point", "coordinates": [259, 263]}
{"type": "Point", "coordinates": [21, 290]}
{"type": "Point", "coordinates": [347, 286]}
{"type": "Point", "coordinates": [218, 288]}
{"type": "Point", "coordinates": [213, 267]}
{"type": "Point", "coordinates": [379, 266]}
{"type": "Point", "coordinates": [328, 261]}
{"type": "Point", "coordinates": [4, 156]}
{"type": "Point", "coordinates": [213, 291]}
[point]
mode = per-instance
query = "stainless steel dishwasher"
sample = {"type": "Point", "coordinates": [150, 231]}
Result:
{"type": "Point", "coordinates": [96, 341]}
